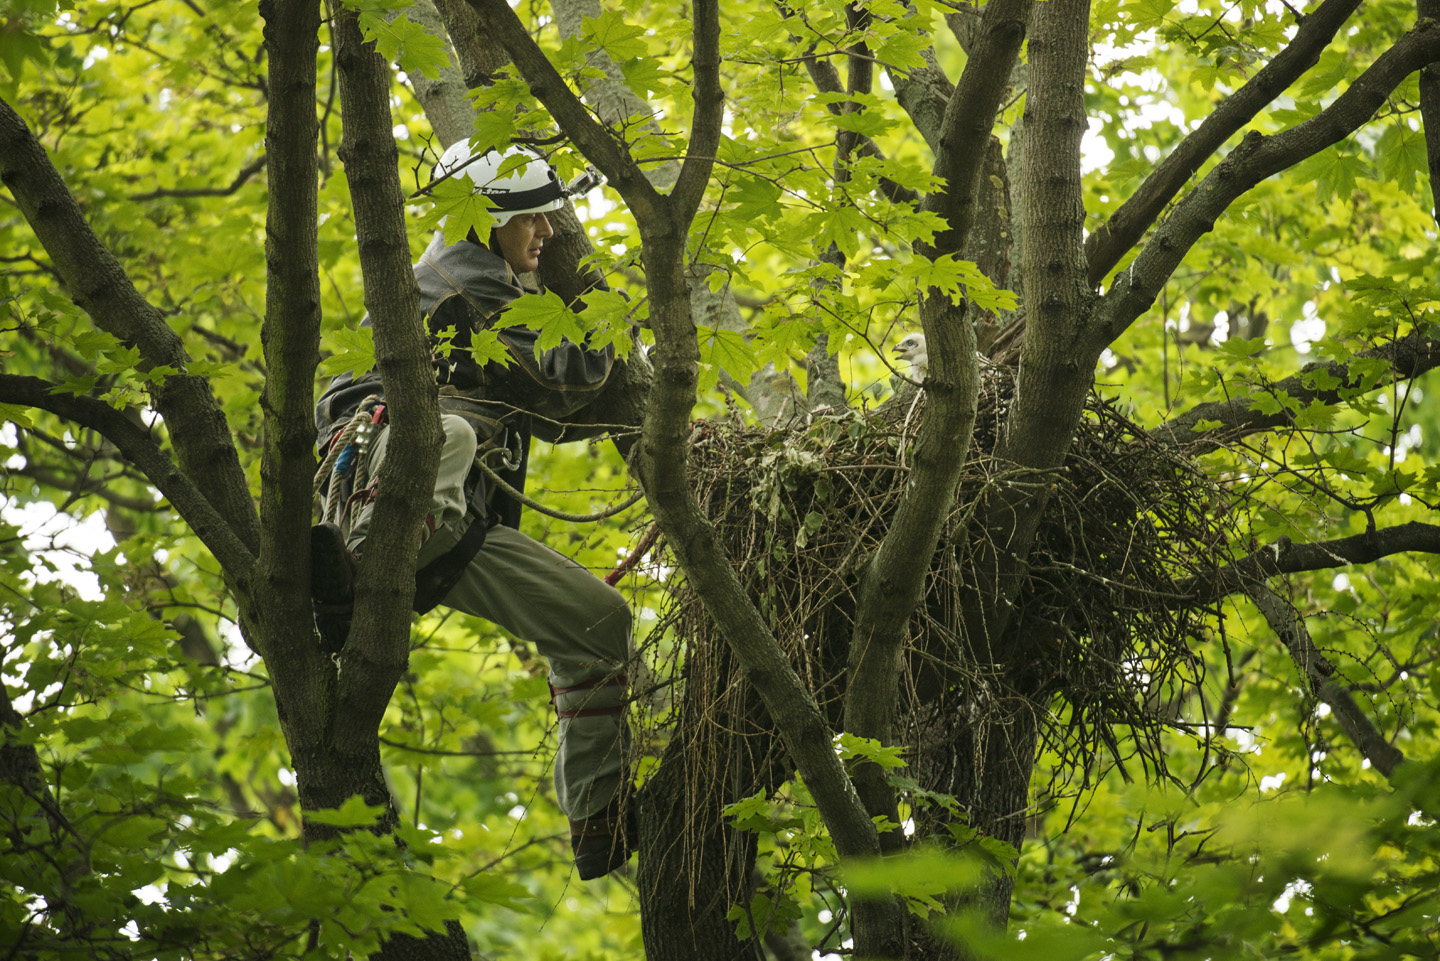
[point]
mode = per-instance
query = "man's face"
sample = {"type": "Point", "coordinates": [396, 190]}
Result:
{"type": "Point", "coordinates": [520, 240]}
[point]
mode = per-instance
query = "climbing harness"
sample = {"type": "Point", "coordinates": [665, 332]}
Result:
{"type": "Point", "coordinates": [614, 680]}
{"type": "Point", "coordinates": [344, 479]}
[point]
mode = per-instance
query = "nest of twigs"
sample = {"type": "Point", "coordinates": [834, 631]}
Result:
{"type": "Point", "coordinates": [1102, 633]}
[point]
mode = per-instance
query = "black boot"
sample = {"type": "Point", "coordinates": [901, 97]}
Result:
{"type": "Point", "coordinates": [332, 585]}
{"type": "Point", "coordinates": [603, 843]}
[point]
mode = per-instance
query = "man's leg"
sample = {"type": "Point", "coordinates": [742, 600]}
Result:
{"type": "Point", "coordinates": [577, 622]}
{"type": "Point", "coordinates": [581, 626]}
{"type": "Point", "coordinates": [332, 554]}
{"type": "Point", "coordinates": [447, 506]}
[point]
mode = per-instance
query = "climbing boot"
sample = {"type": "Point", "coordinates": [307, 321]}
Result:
{"type": "Point", "coordinates": [602, 843]}
{"type": "Point", "coordinates": [332, 585]}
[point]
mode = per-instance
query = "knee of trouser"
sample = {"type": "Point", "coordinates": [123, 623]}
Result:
{"type": "Point", "coordinates": [612, 622]}
{"type": "Point", "coordinates": [460, 439]}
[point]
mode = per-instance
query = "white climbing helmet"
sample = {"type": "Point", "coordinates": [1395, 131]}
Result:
{"type": "Point", "coordinates": [532, 187]}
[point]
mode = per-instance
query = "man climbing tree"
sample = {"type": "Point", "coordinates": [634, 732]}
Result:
{"type": "Point", "coordinates": [474, 558]}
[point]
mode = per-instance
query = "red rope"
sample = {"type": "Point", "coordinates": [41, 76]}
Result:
{"type": "Point", "coordinates": [641, 549]}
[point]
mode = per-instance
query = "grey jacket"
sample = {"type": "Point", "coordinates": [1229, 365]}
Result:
{"type": "Point", "coordinates": [463, 288]}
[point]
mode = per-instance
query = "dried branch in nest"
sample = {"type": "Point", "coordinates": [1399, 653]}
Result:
{"type": "Point", "coordinates": [1101, 632]}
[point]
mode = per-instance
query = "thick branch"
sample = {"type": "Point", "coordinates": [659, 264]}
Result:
{"type": "Point", "coordinates": [376, 653]}
{"type": "Point", "coordinates": [1057, 292]}
{"type": "Point", "coordinates": [1409, 357]}
{"type": "Point", "coordinates": [1105, 247]}
{"type": "Point", "coordinates": [1283, 557]}
{"type": "Point", "coordinates": [663, 455]}
{"type": "Point", "coordinates": [709, 114]}
{"type": "Point", "coordinates": [1256, 158]}
{"type": "Point", "coordinates": [1054, 379]}
{"type": "Point", "coordinates": [1430, 112]}
{"type": "Point", "coordinates": [138, 447]}
{"type": "Point", "coordinates": [1320, 674]}
{"type": "Point", "coordinates": [895, 577]}
{"type": "Point", "coordinates": [970, 116]}
{"type": "Point", "coordinates": [99, 285]}
{"type": "Point", "coordinates": [290, 337]}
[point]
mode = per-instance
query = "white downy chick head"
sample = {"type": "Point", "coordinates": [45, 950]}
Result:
{"type": "Point", "coordinates": [912, 349]}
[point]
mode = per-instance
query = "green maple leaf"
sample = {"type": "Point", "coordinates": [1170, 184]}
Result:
{"type": "Point", "coordinates": [547, 315]}
{"type": "Point", "coordinates": [353, 350]}
{"type": "Point", "coordinates": [407, 43]}
{"type": "Point", "coordinates": [610, 32]}
{"type": "Point", "coordinates": [840, 225]}
{"type": "Point", "coordinates": [1400, 155]}
{"type": "Point", "coordinates": [724, 350]}
{"type": "Point", "coordinates": [1334, 172]}
{"type": "Point", "coordinates": [458, 210]}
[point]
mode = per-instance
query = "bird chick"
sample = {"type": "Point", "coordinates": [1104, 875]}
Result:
{"type": "Point", "coordinates": [912, 349]}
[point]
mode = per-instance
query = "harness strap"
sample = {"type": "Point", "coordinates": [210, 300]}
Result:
{"type": "Point", "coordinates": [357, 502]}
{"type": "Point", "coordinates": [614, 680]}
{"type": "Point", "coordinates": [602, 825]}
{"type": "Point", "coordinates": [434, 580]}
{"type": "Point", "coordinates": [591, 711]}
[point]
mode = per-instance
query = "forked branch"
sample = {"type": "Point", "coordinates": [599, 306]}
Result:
{"type": "Point", "coordinates": [138, 447]}
{"type": "Point", "coordinates": [1105, 247]}
{"type": "Point", "coordinates": [290, 335]}
{"type": "Point", "coordinates": [1256, 158]}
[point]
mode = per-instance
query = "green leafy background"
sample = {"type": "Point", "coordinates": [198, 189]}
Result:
{"type": "Point", "coordinates": [154, 724]}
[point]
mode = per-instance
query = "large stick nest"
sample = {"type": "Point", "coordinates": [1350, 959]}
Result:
{"type": "Point", "coordinates": [1101, 638]}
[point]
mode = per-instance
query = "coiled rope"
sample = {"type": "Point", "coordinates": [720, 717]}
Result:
{"type": "Point", "coordinates": [333, 466]}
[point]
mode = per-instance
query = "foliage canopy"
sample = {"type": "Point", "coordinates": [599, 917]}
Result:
{"type": "Point", "coordinates": [1207, 228]}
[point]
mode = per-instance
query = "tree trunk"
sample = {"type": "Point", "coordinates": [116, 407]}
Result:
{"type": "Point", "coordinates": [692, 868]}
{"type": "Point", "coordinates": [994, 758]}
